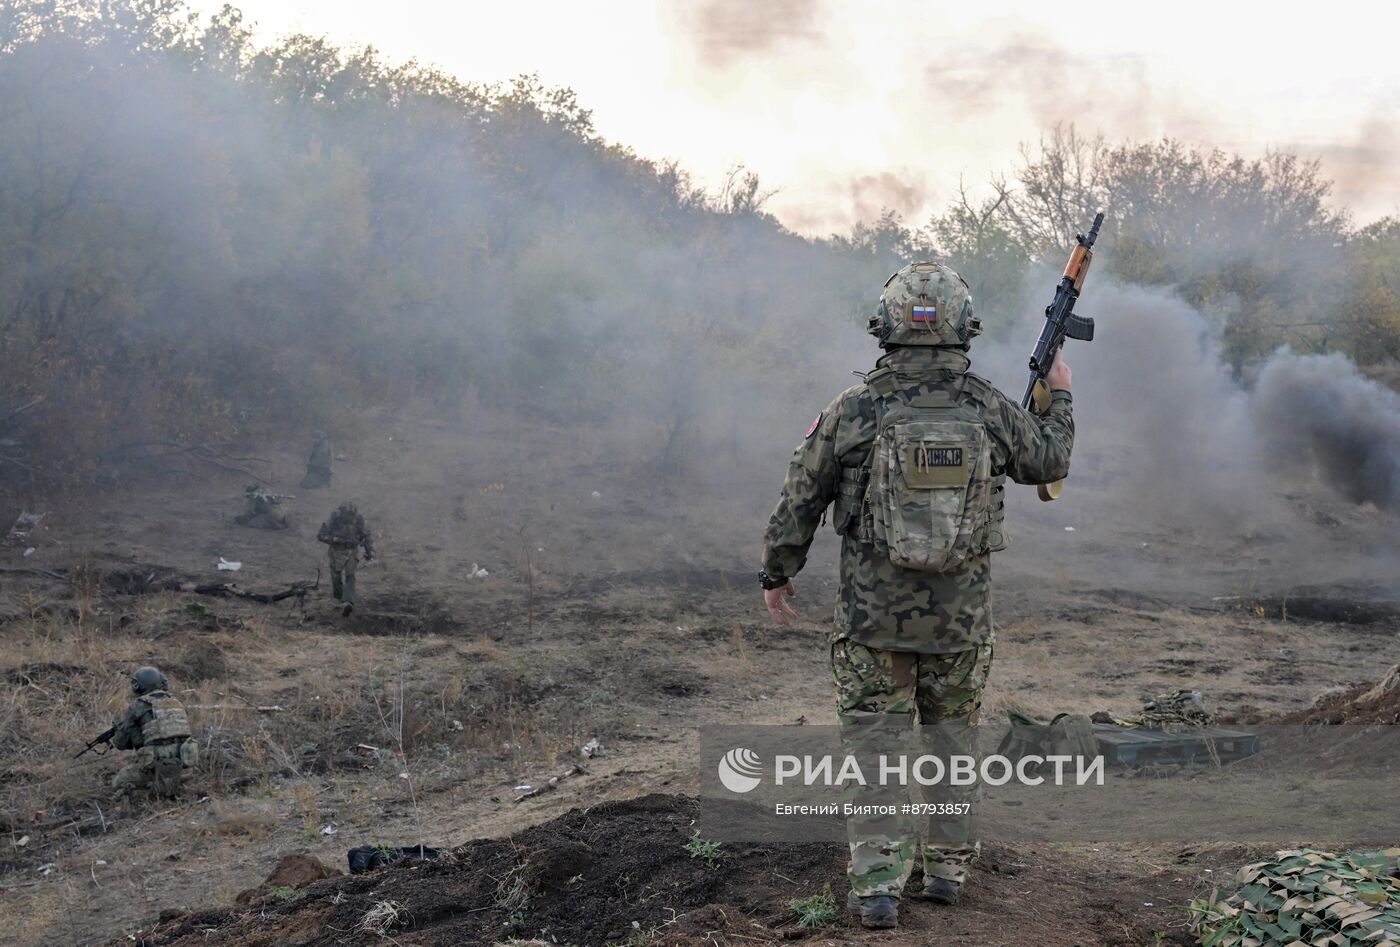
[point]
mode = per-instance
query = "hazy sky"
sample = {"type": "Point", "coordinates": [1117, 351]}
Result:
{"type": "Point", "coordinates": [848, 107]}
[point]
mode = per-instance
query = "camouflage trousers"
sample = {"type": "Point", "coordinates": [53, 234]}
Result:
{"type": "Point", "coordinates": [344, 559]}
{"type": "Point", "coordinates": [880, 696]}
{"type": "Point", "coordinates": [157, 768]}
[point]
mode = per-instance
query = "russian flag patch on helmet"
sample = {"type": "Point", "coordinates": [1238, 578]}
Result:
{"type": "Point", "coordinates": [924, 314]}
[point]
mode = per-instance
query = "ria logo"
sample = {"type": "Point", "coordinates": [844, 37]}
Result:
{"type": "Point", "coordinates": [739, 770]}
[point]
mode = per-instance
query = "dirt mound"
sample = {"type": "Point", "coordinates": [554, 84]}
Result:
{"type": "Point", "coordinates": [201, 661]}
{"type": "Point", "coordinates": [619, 873]}
{"type": "Point", "coordinates": [584, 878]}
{"type": "Point", "coordinates": [292, 872]}
{"type": "Point", "coordinates": [1362, 704]}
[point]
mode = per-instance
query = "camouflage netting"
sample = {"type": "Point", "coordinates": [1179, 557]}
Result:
{"type": "Point", "coordinates": [1307, 899]}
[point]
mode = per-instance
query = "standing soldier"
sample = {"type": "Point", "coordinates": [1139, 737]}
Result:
{"type": "Point", "coordinates": [345, 532]}
{"type": "Point", "coordinates": [158, 730]}
{"type": "Point", "coordinates": [318, 465]}
{"type": "Point", "coordinates": [915, 461]}
{"type": "Point", "coordinates": [262, 509]}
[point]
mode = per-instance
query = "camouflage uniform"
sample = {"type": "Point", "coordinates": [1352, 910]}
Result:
{"type": "Point", "coordinates": [157, 728]}
{"type": "Point", "coordinates": [876, 687]}
{"type": "Point", "coordinates": [318, 466]}
{"type": "Point", "coordinates": [262, 510]}
{"type": "Point", "coordinates": [909, 646]}
{"type": "Point", "coordinates": [345, 532]}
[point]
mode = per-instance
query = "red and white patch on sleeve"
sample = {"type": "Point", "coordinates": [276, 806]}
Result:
{"type": "Point", "coordinates": [815, 424]}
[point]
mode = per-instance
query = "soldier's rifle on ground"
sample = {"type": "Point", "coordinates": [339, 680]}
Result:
{"type": "Point", "coordinates": [104, 737]}
{"type": "Point", "coordinates": [296, 590]}
{"type": "Point", "coordinates": [1060, 324]}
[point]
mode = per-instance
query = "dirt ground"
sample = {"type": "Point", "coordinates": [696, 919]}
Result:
{"type": "Point", "coordinates": [621, 606]}
{"type": "Point", "coordinates": [626, 861]}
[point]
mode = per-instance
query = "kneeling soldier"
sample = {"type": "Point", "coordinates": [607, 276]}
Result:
{"type": "Point", "coordinates": [158, 730]}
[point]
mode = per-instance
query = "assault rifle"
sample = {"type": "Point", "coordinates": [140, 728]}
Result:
{"type": "Point", "coordinates": [104, 737]}
{"type": "Point", "coordinates": [1061, 323]}
{"type": "Point", "coordinates": [268, 495]}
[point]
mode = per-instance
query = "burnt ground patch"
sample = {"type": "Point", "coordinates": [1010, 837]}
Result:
{"type": "Point", "coordinates": [1337, 611]}
{"type": "Point", "coordinates": [681, 687]}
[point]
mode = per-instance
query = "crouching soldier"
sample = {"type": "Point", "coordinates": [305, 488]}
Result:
{"type": "Point", "coordinates": [158, 730]}
{"type": "Point", "coordinates": [262, 509]}
{"type": "Point", "coordinates": [345, 532]}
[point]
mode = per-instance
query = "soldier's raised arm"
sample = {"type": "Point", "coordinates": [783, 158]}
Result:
{"type": "Point", "coordinates": [1031, 448]}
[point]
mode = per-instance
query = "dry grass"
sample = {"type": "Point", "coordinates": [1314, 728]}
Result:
{"type": "Point", "coordinates": [236, 823]}
{"type": "Point", "coordinates": [65, 679]}
{"type": "Point", "coordinates": [382, 917]}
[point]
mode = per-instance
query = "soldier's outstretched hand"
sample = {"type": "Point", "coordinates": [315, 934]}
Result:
{"type": "Point", "coordinates": [777, 602]}
{"type": "Point", "coordinates": [1058, 378]}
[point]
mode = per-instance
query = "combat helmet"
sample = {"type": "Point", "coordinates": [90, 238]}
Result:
{"type": "Point", "coordinates": [925, 303]}
{"type": "Point", "coordinates": [348, 508]}
{"type": "Point", "coordinates": [148, 679]}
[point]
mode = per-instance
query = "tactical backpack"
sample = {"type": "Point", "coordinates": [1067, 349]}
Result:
{"type": "Point", "coordinates": [344, 529]}
{"type": "Point", "coordinates": [929, 494]}
{"type": "Point", "coordinates": [167, 721]}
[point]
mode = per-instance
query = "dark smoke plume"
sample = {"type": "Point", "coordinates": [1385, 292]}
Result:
{"type": "Point", "coordinates": [1317, 413]}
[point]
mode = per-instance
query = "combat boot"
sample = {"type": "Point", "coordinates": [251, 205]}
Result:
{"type": "Point", "coordinates": [940, 890]}
{"type": "Point", "coordinates": [878, 911]}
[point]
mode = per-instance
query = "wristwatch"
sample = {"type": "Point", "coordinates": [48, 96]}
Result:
{"type": "Point", "coordinates": [768, 582]}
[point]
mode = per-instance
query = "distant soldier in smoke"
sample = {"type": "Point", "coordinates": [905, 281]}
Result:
{"type": "Point", "coordinates": [318, 465]}
{"type": "Point", "coordinates": [345, 532]}
{"type": "Point", "coordinates": [262, 509]}
{"type": "Point", "coordinates": [158, 730]}
{"type": "Point", "coordinates": [915, 460]}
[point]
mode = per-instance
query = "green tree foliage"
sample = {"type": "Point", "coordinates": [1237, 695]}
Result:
{"type": "Point", "coordinates": [198, 234]}
{"type": "Point", "coordinates": [1253, 243]}
{"type": "Point", "coordinates": [1367, 318]}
